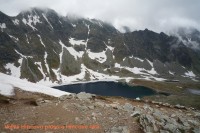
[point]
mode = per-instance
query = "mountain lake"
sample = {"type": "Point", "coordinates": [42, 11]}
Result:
{"type": "Point", "coordinates": [108, 89]}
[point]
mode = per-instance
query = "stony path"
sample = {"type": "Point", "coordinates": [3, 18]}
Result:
{"type": "Point", "coordinates": [88, 113]}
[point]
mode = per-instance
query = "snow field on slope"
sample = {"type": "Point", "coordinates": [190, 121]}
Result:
{"type": "Point", "coordinates": [7, 84]}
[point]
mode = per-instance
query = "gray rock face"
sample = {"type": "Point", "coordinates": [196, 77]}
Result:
{"type": "Point", "coordinates": [30, 70]}
{"type": "Point", "coordinates": [154, 120]}
{"type": "Point", "coordinates": [115, 106]}
{"type": "Point", "coordinates": [196, 130]}
{"type": "Point", "coordinates": [135, 114]}
{"type": "Point", "coordinates": [81, 107]}
{"type": "Point", "coordinates": [109, 61]}
{"type": "Point", "coordinates": [100, 104]}
{"type": "Point", "coordinates": [164, 131]}
{"type": "Point", "coordinates": [91, 107]}
{"type": "Point", "coordinates": [128, 107]}
{"type": "Point", "coordinates": [64, 97]}
{"type": "Point", "coordinates": [70, 65]}
{"type": "Point", "coordinates": [120, 129]}
{"type": "Point", "coordinates": [160, 67]}
{"type": "Point", "coordinates": [84, 96]}
{"type": "Point", "coordinates": [179, 106]}
{"type": "Point", "coordinates": [38, 45]}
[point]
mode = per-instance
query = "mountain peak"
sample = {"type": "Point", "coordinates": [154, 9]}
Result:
{"type": "Point", "coordinates": [37, 11]}
{"type": "Point", "coordinates": [54, 47]}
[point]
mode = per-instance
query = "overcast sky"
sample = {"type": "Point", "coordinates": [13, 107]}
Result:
{"type": "Point", "coordinates": [157, 15]}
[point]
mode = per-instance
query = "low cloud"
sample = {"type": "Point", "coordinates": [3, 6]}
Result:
{"type": "Point", "coordinates": [156, 15]}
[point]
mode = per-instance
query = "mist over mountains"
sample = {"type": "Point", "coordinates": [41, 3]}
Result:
{"type": "Point", "coordinates": [42, 46]}
{"type": "Point", "coordinates": [156, 15]}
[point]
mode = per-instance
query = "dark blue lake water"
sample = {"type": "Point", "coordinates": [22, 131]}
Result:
{"type": "Point", "coordinates": [108, 89]}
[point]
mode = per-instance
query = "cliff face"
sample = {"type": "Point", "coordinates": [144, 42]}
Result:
{"type": "Point", "coordinates": [42, 46]}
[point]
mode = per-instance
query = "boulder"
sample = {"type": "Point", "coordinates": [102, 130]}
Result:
{"type": "Point", "coordinates": [128, 107]}
{"type": "Point", "coordinates": [120, 129]}
{"type": "Point", "coordinates": [135, 114]}
{"type": "Point", "coordinates": [64, 97]}
{"type": "Point", "coordinates": [84, 96]}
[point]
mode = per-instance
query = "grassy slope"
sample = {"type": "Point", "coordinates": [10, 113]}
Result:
{"type": "Point", "coordinates": [178, 91]}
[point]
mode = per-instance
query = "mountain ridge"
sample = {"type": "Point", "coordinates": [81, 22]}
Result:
{"type": "Point", "coordinates": [42, 46]}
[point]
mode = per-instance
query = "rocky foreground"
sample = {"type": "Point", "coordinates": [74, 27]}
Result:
{"type": "Point", "coordinates": [83, 112]}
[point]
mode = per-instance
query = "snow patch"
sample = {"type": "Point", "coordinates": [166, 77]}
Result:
{"type": "Point", "coordinates": [100, 57]}
{"type": "Point", "coordinates": [183, 67]}
{"type": "Point", "coordinates": [41, 40]}
{"type": "Point", "coordinates": [73, 41]}
{"type": "Point", "coordinates": [72, 51]}
{"type": "Point", "coordinates": [24, 21]}
{"type": "Point", "coordinates": [60, 55]}
{"type": "Point", "coordinates": [14, 38]}
{"type": "Point", "coordinates": [6, 89]}
{"type": "Point", "coordinates": [99, 76]}
{"type": "Point", "coordinates": [190, 74]}
{"type": "Point", "coordinates": [2, 26]}
{"type": "Point", "coordinates": [152, 71]}
{"type": "Point", "coordinates": [59, 21]}
{"type": "Point", "coordinates": [109, 41]}
{"type": "Point", "coordinates": [128, 79]}
{"type": "Point", "coordinates": [88, 26]}
{"type": "Point", "coordinates": [134, 70]}
{"type": "Point", "coordinates": [117, 65]}
{"type": "Point", "coordinates": [35, 19]}
{"type": "Point", "coordinates": [172, 73]}
{"type": "Point", "coordinates": [27, 39]}
{"type": "Point", "coordinates": [111, 48]}
{"type": "Point", "coordinates": [80, 78]}
{"type": "Point", "coordinates": [57, 72]}
{"type": "Point", "coordinates": [137, 70]}
{"type": "Point", "coordinates": [152, 77]}
{"type": "Point", "coordinates": [95, 76]}
{"type": "Point", "coordinates": [65, 79]}
{"type": "Point", "coordinates": [23, 56]}
{"type": "Point", "coordinates": [60, 58]}
{"type": "Point", "coordinates": [8, 83]}
{"type": "Point", "coordinates": [47, 20]}
{"type": "Point", "coordinates": [32, 20]}
{"type": "Point", "coordinates": [73, 25]}
{"type": "Point", "coordinates": [14, 70]}
{"type": "Point", "coordinates": [124, 59]}
{"type": "Point", "coordinates": [141, 60]}
{"type": "Point", "coordinates": [29, 24]}
{"type": "Point", "coordinates": [151, 63]}
{"type": "Point", "coordinates": [62, 44]}
{"type": "Point", "coordinates": [46, 64]}
{"type": "Point", "coordinates": [100, 24]}
{"type": "Point", "coordinates": [15, 22]}
{"type": "Point", "coordinates": [40, 68]}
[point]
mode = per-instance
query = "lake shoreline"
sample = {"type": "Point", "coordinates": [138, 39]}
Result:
{"type": "Point", "coordinates": [109, 88]}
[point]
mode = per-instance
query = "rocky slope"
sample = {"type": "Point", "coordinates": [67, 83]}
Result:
{"type": "Point", "coordinates": [41, 46]}
{"type": "Point", "coordinates": [84, 112]}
